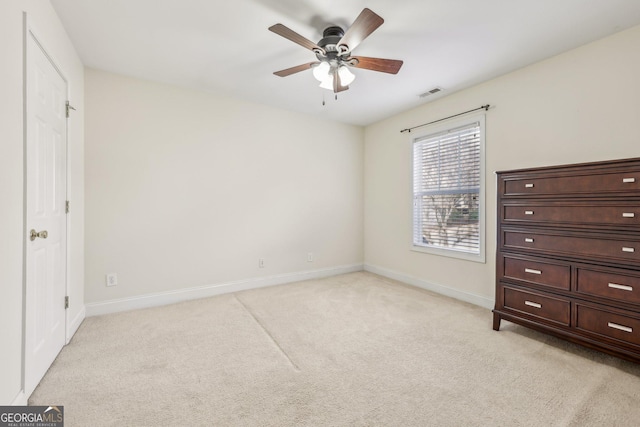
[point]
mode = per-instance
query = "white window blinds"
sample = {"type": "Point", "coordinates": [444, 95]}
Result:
{"type": "Point", "coordinates": [446, 189]}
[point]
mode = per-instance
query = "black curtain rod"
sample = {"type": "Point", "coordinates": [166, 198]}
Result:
{"type": "Point", "coordinates": [484, 107]}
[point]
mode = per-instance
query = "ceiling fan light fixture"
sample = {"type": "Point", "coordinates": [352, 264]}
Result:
{"type": "Point", "coordinates": [346, 77]}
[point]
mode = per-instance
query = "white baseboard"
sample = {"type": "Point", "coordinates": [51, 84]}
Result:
{"type": "Point", "coordinates": [20, 400]}
{"type": "Point", "coordinates": [73, 326]}
{"type": "Point", "coordinates": [440, 289]}
{"type": "Point", "coordinates": [171, 297]}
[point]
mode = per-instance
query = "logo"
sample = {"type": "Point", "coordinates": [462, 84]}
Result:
{"type": "Point", "coordinates": [31, 416]}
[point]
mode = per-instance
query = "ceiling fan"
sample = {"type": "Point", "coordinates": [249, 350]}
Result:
{"type": "Point", "coordinates": [333, 52]}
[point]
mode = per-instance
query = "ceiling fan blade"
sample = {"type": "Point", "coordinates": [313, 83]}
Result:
{"type": "Point", "coordinates": [337, 83]}
{"type": "Point", "coordinates": [365, 24]}
{"type": "Point", "coordinates": [391, 66]}
{"type": "Point", "coordinates": [296, 69]}
{"type": "Point", "coordinates": [288, 33]}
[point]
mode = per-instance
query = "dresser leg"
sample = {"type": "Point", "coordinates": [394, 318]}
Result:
{"type": "Point", "coordinates": [496, 322]}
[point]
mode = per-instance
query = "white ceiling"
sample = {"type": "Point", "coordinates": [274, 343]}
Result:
{"type": "Point", "coordinates": [224, 47]}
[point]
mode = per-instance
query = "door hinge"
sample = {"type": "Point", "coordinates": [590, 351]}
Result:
{"type": "Point", "coordinates": [69, 107]}
{"type": "Point", "coordinates": [66, 207]}
{"type": "Point", "coordinates": [66, 302]}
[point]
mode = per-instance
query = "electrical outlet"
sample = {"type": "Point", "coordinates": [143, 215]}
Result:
{"type": "Point", "coordinates": [310, 257]}
{"type": "Point", "coordinates": [112, 279]}
{"type": "Point", "coordinates": [261, 263]}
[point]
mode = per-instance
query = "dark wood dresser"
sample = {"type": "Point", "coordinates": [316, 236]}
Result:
{"type": "Point", "coordinates": [568, 254]}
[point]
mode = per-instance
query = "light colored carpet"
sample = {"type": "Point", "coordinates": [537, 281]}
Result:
{"type": "Point", "coordinates": [350, 350]}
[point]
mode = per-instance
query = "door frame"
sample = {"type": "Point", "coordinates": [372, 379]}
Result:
{"type": "Point", "coordinates": [30, 30]}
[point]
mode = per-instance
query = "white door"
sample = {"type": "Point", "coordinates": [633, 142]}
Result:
{"type": "Point", "coordinates": [46, 173]}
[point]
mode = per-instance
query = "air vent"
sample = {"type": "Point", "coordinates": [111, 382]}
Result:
{"type": "Point", "coordinates": [430, 92]}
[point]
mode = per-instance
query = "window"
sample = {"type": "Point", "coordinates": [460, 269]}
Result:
{"type": "Point", "coordinates": [448, 190]}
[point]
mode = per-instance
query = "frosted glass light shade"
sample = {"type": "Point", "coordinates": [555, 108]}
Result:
{"type": "Point", "coordinates": [346, 76]}
{"type": "Point", "coordinates": [321, 71]}
{"type": "Point", "coordinates": [327, 83]}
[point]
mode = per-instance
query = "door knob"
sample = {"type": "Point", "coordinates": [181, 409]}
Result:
{"type": "Point", "coordinates": [33, 234]}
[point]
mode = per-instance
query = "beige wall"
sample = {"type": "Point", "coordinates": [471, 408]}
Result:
{"type": "Point", "coordinates": [576, 107]}
{"type": "Point", "coordinates": [56, 42]}
{"type": "Point", "coordinates": [187, 189]}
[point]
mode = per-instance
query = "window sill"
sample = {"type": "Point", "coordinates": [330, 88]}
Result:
{"type": "Point", "coordinates": [480, 258]}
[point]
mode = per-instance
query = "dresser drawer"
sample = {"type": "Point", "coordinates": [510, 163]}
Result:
{"type": "Point", "coordinates": [621, 287]}
{"type": "Point", "coordinates": [609, 214]}
{"type": "Point", "coordinates": [608, 323]}
{"type": "Point", "coordinates": [538, 272]}
{"type": "Point", "coordinates": [593, 183]}
{"type": "Point", "coordinates": [545, 307]}
{"type": "Point", "coordinates": [580, 247]}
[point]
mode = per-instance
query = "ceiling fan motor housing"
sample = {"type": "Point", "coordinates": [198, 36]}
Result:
{"type": "Point", "coordinates": [329, 42]}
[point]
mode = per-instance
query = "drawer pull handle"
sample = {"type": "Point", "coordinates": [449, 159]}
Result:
{"type": "Point", "coordinates": [532, 271]}
{"type": "Point", "coordinates": [528, 186]}
{"type": "Point", "coordinates": [620, 327]}
{"type": "Point", "coordinates": [528, 212]}
{"type": "Point", "coordinates": [533, 304]}
{"type": "Point", "coordinates": [528, 240]}
{"type": "Point", "coordinates": [628, 215]}
{"type": "Point", "coordinates": [625, 249]}
{"type": "Point", "coordinates": [628, 180]}
{"type": "Point", "coordinates": [621, 287]}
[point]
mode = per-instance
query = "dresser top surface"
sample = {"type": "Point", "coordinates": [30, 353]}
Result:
{"type": "Point", "coordinates": [607, 164]}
